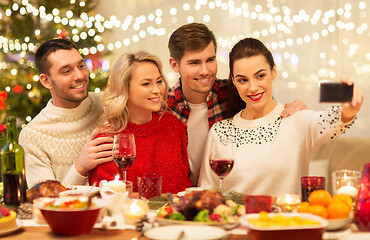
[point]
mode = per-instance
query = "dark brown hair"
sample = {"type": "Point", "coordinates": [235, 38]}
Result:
{"type": "Point", "coordinates": [190, 37]}
{"type": "Point", "coordinates": [48, 47]}
{"type": "Point", "coordinates": [245, 48]}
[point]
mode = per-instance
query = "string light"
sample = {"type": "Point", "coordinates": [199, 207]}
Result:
{"type": "Point", "coordinates": [280, 20]}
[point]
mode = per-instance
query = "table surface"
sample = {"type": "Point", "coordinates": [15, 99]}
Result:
{"type": "Point", "coordinates": [44, 233]}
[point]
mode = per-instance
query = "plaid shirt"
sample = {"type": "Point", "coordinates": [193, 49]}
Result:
{"type": "Point", "coordinates": [216, 101]}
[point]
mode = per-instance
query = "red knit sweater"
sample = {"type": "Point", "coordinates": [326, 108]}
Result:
{"type": "Point", "coordinates": [160, 148]}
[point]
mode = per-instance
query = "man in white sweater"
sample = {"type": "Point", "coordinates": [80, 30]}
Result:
{"type": "Point", "coordinates": [57, 142]}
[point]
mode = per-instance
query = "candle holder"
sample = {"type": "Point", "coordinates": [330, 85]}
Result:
{"type": "Point", "coordinates": [134, 210]}
{"type": "Point", "coordinates": [117, 185]}
{"type": "Point", "coordinates": [288, 202]}
{"type": "Point", "coordinates": [115, 193]}
{"type": "Point", "coordinates": [346, 182]}
{"type": "Point", "coordinates": [259, 203]}
{"type": "Point", "coordinates": [310, 184]}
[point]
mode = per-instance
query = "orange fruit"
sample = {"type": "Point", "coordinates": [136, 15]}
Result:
{"type": "Point", "coordinates": [345, 198]}
{"type": "Point", "coordinates": [338, 209]}
{"type": "Point", "coordinates": [320, 197]}
{"type": "Point", "coordinates": [318, 210]}
{"type": "Point", "coordinates": [303, 207]}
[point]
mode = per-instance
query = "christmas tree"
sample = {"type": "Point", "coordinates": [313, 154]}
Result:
{"type": "Point", "coordinates": [24, 25]}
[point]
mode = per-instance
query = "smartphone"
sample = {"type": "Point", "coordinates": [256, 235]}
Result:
{"type": "Point", "coordinates": [335, 92]}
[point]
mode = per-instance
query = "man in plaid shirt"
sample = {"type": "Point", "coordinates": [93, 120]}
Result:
{"type": "Point", "coordinates": [199, 99]}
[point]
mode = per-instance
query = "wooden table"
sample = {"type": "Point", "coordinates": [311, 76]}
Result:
{"type": "Point", "coordinates": [45, 233]}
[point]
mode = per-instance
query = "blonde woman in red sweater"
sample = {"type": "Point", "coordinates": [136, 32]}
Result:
{"type": "Point", "coordinates": [134, 102]}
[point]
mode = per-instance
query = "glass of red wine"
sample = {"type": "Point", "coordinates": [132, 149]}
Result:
{"type": "Point", "coordinates": [221, 158]}
{"type": "Point", "coordinates": [124, 152]}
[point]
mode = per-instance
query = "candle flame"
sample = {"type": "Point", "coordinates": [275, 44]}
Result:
{"type": "Point", "coordinates": [288, 198]}
{"type": "Point", "coordinates": [134, 208]}
{"type": "Point", "coordinates": [116, 177]}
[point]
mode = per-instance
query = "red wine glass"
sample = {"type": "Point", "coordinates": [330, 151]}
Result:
{"type": "Point", "coordinates": [221, 158]}
{"type": "Point", "coordinates": [124, 152]}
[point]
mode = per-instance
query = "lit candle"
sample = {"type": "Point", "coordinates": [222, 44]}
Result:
{"type": "Point", "coordinates": [348, 190]}
{"type": "Point", "coordinates": [288, 202]}
{"type": "Point", "coordinates": [134, 210]}
{"type": "Point", "coordinates": [117, 185]}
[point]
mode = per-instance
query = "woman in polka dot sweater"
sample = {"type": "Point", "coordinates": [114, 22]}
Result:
{"type": "Point", "coordinates": [271, 153]}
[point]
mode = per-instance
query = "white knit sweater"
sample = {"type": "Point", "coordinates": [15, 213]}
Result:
{"type": "Point", "coordinates": [54, 139]}
{"type": "Point", "coordinates": [271, 153]}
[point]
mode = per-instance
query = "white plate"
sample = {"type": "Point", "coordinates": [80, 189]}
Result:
{"type": "Point", "coordinates": [79, 190]}
{"type": "Point", "coordinates": [227, 226]}
{"type": "Point", "coordinates": [356, 236]}
{"type": "Point", "coordinates": [181, 194]}
{"type": "Point", "coordinates": [5, 232]}
{"type": "Point", "coordinates": [191, 232]}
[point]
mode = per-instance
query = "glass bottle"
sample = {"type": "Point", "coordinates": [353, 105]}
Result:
{"type": "Point", "coordinates": [362, 209]}
{"type": "Point", "coordinates": [12, 161]}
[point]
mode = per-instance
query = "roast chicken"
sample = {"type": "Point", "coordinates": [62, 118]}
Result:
{"type": "Point", "coordinates": [48, 188]}
{"type": "Point", "coordinates": [193, 202]}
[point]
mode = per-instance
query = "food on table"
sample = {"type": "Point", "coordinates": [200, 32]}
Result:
{"type": "Point", "coordinates": [25, 211]}
{"type": "Point", "coordinates": [264, 220]}
{"type": "Point", "coordinates": [303, 207]}
{"type": "Point", "coordinates": [190, 204]}
{"type": "Point", "coordinates": [68, 204]}
{"type": "Point", "coordinates": [48, 188]}
{"type": "Point", "coordinates": [322, 204]}
{"type": "Point", "coordinates": [318, 210]}
{"type": "Point", "coordinates": [345, 198]}
{"type": "Point", "coordinates": [7, 218]}
{"type": "Point", "coordinates": [320, 197]}
{"type": "Point", "coordinates": [338, 210]}
{"type": "Point", "coordinates": [203, 206]}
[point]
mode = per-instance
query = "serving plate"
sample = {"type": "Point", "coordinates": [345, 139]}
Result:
{"type": "Point", "coordinates": [164, 222]}
{"type": "Point", "coordinates": [79, 190]}
{"type": "Point", "coordinates": [244, 220]}
{"type": "Point", "coordinates": [302, 232]}
{"type": "Point", "coordinates": [185, 232]}
{"type": "Point", "coordinates": [8, 231]}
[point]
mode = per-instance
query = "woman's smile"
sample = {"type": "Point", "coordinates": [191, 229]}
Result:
{"type": "Point", "coordinates": [256, 97]}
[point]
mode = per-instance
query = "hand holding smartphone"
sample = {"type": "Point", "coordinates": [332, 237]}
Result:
{"type": "Point", "coordinates": [335, 92]}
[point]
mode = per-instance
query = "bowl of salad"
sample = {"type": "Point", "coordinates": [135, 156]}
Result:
{"type": "Point", "coordinates": [70, 216]}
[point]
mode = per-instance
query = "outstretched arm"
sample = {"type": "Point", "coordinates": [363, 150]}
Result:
{"type": "Point", "coordinates": [350, 109]}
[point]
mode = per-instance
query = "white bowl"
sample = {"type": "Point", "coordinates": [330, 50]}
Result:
{"type": "Point", "coordinates": [336, 224]}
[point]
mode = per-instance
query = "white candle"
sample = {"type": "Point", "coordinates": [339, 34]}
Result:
{"type": "Point", "coordinates": [348, 190]}
{"type": "Point", "coordinates": [117, 185]}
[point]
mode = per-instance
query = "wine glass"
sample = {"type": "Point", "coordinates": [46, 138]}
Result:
{"type": "Point", "coordinates": [221, 158]}
{"type": "Point", "coordinates": [124, 152]}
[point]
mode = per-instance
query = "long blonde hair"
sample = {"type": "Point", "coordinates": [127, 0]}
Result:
{"type": "Point", "coordinates": [115, 116]}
